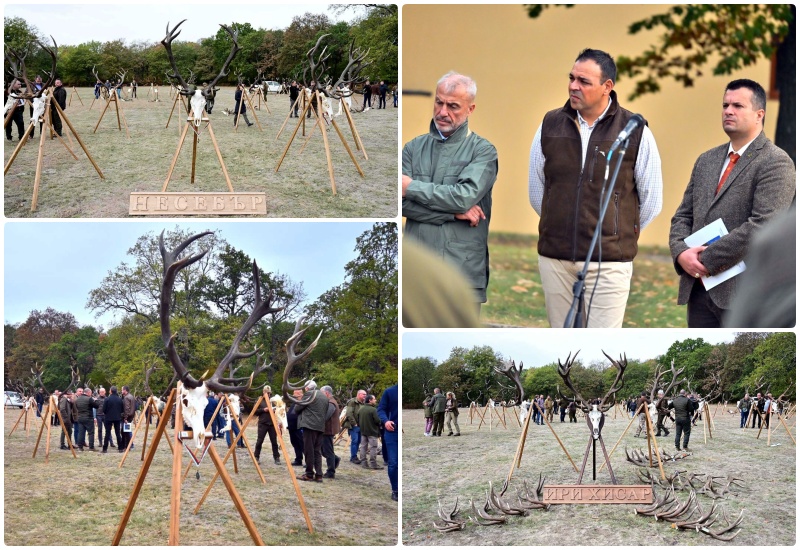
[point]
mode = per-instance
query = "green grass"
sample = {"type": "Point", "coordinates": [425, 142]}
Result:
{"type": "Point", "coordinates": [515, 296]}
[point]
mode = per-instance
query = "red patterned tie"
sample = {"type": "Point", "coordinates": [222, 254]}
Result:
{"type": "Point", "coordinates": [734, 158]}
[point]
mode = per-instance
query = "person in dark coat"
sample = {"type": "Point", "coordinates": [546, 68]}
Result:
{"type": "Point", "coordinates": [240, 105]}
{"type": "Point", "coordinates": [66, 407]}
{"type": "Point", "coordinates": [295, 433]}
{"type": "Point", "coordinates": [332, 428]}
{"type": "Point", "coordinates": [208, 413]}
{"type": "Point", "coordinates": [370, 424]}
{"type": "Point", "coordinates": [60, 97]}
{"type": "Point", "coordinates": [684, 408]}
{"type": "Point", "coordinates": [265, 426]}
{"type": "Point", "coordinates": [387, 412]}
{"type": "Point", "coordinates": [382, 97]}
{"type": "Point", "coordinates": [312, 411]}
{"type": "Point", "coordinates": [112, 409]}
{"type": "Point", "coordinates": [294, 93]}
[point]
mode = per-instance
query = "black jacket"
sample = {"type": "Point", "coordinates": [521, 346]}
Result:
{"type": "Point", "coordinates": [112, 408]}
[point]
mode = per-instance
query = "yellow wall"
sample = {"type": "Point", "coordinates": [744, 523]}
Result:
{"type": "Point", "coordinates": [521, 67]}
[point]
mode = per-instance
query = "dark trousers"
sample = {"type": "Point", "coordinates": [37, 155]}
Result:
{"type": "Point", "coordinates": [328, 453]}
{"type": "Point", "coordinates": [756, 416]}
{"type": "Point", "coordinates": [660, 424]}
{"type": "Point", "coordinates": [682, 426]}
{"type": "Point", "coordinates": [68, 428]}
{"type": "Point", "coordinates": [701, 311]}
{"type": "Point", "coordinates": [438, 423]}
{"type": "Point", "coordinates": [293, 109]}
{"type": "Point", "coordinates": [125, 438]}
{"type": "Point", "coordinates": [296, 438]}
{"type": "Point", "coordinates": [85, 427]}
{"type": "Point", "coordinates": [312, 449]}
{"type": "Point", "coordinates": [113, 424]}
{"type": "Point", "coordinates": [55, 119]}
{"type": "Point", "coordinates": [382, 101]}
{"type": "Point", "coordinates": [99, 430]}
{"type": "Point", "coordinates": [563, 413]}
{"type": "Point", "coordinates": [390, 453]}
{"type": "Point", "coordinates": [263, 430]}
{"type": "Point", "coordinates": [18, 119]}
{"type": "Point", "coordinates": [368, 100]}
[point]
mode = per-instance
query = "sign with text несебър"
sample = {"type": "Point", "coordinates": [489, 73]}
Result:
{"type": "Point", "coordinates": [197, 204]}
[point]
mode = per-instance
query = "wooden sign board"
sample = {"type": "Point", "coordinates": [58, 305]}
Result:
{"type": "Point", "coordinates": [197, 204]}
{"type": "Point", "coordinates": [598, 494]}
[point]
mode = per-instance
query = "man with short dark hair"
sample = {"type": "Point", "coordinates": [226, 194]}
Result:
{"type": "Point", "coordinates": [60, 97]}
{"type": "Point", "coordinates": [744, 410]}
{"type": "Point", "coordinates": [351, 423]}
{"type": "Point", "coordinates": [370, 424]}
{"type": "Point", "coordinates": [565, 185]}
{"type": "Point", "coordinates": [265, 426]}
{"type": "Point", "coordinates": [128, 416]}
{"type": "Point", "coordinates": [662, 407]}
{"type": "Point", "coordinates": [331, 430]}
{"type": "Point", "coordinates": [113, 408]}
{"type": "Point", "coordinates": [85, 405]}
{"type": "Point", "coordinates": [745, 182]}
{"type": "Point", "coordinates": [684, 408]}
{"type": "Point", "coordinates": [388, 414]}
{"type": "Point", "coordinates": [66, 407]}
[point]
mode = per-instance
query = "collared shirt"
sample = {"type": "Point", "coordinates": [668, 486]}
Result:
{"type": "Point", "coordinates": [740, 152]}
{"type": "Point", "coordinates": [646, 171]}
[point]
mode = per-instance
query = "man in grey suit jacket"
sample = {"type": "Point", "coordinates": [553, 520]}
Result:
{"type": "Point", "coordinates": [759, 184]}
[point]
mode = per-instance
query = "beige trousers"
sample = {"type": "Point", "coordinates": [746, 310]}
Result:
{"type": "Point", "coordinates": [608, 300]}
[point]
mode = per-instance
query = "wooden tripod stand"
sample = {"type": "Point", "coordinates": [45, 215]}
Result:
{"type": "Point", "coordinates": [320, 122]}
{"type": "Point", "coordinates": [651, 440]}
{"type": "Point", "coordinates": [49, 131]}
{"type": "Point", "coordinates": [175, 498]}
{"type": "Point", "coordinates": [246, 97]}
{"type": "Point", "coordinates": [196, 128]}
{"type": "Point", "coordinates": [112, 98]}
{"type": "Point", "coordinates": [24, 414]}
{"type": "Point", "coordinates": [52, 408]}
{"type": "Point", "coordinates": [150, 408]}
{"type": "Point", "coordinates": [74, 93]}
{"type": "Point", "coordinates": [174, 103]}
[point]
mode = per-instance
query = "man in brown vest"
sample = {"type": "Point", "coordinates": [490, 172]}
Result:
{"type": "Point", "coordinates": [566, 179]}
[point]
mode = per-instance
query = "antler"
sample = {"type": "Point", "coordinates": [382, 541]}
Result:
{"type": "Point", "coordinates": [37, 372]}
{"type": "Point", "coordinates": [293, 358]}
{"type": "Point", "coordinates": [563, 372]}
{"type": "Point", "coordinates": [510, 370]}
{"type": "Point", "coordinates": [619, 381]}
{"type": "Point", "coordinates": [660, 373]}
{"type": "Point", "coordinates": [167, 42]}
{"type": "Point", "coordinates": [17, 63]}
{"type": "Point", "coordinates": [316, 67]}
{"type": "Point", "coordinates": [75, 378]}
{"type": "Point", "coordinates": [121, 76]}
{"type": "Point", "coordinates": [147, 373]}
{"type": "Point", "coordinates": [224, 71]}
{"type": "Point", "coordinates": [351, 74]}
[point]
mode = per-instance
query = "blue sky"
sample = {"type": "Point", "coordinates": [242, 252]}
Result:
{"type": "Point", "coordinates": [73, 24]}
{"type": "Point", "coordinates": [56, 264]}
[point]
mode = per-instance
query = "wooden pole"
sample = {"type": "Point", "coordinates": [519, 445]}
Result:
{"type": "Point", "coordinates": [175, 158]}
{"type": "Point", "coordinates": [297, 128]}
{"type": "Point", "coordinates": [546, 421]}
{"type": "Point", "coordinates": [483, 417]}
{"type": "Point", "coordinates": [108, 102]}
{"type": "Point", "coordinates": [133, 436]}
{"type": "Point", "coordinates": [652, 436]}
{"type": "Point", "coordinates": [80, 141]}
{"type": "Point", "coordinates": [219, 157]}
{"type": "Point", "coordinates": [194, 153]}
{"type": "Point", "coordinates": [623, 435]}
{"type": "Point", "coordinates": [39, 158]}
{"type": "Point", "coordinates": [520, 445]}
{"type": "Point", "coordinates": [76, 94]}
{"type": "Point", "coordinates": [291, 110]}
{"type": "Point", "coordinates": [327, 145]}
{"type": "Point", "coordinates": [347, 148]}
{"type": "Point", "coordinates": [239, 112]}
{"type": "Point", "coordinates": [175, 492]}
{"type": "Point", "coordinates": [18, 148]}
{"type": "Point", "coordinates": [354, 131]}
{"type": "Point", "coordinates": [253, 111]}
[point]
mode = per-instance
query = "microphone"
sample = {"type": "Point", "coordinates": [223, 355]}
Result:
{"type": "Point", "coordinates": [635, 122]}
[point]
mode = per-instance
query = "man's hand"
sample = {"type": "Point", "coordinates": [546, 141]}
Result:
{"type": "Point", "coordinates": [474, 215]}
{"type": "Point", "coordinates": [689, 260]}
{"type": "Point", "coordinates": [389, 425]}
{"type": "Point", "coordinates": [406, 182]}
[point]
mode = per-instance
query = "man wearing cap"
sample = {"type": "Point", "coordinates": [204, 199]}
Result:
{"type": "Point", "coordinates": [311, 412]}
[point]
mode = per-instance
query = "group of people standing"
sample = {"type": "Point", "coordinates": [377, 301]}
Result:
{"type": "Point", "coordinates": [440, 408]}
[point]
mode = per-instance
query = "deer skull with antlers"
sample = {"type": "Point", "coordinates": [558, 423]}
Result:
{"type": "Point", "coordinates": [193, 394]}
{"type": "Point", "coordinates": [35, 92]}
{"type": "Point", "coordinates": [198, 98]}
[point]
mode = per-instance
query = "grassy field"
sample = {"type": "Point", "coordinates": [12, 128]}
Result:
{"type": "Point", "coordinates": [48, 502]}
{"type": "Point", "coordinates": [448, 467]}
{"type": "Point", "coordinates": [515, 296]}
{"type": "Point", "coordinates": [300, 189]}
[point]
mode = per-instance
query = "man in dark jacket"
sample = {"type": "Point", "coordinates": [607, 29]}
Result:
{"type": "Point", "coordinates": [295, 433]}
{"type": "Point", "coordinates": [438, 405]}
{"type": "Point", "coordinates": [113, 411]}
{"type": "Point", "coordinates": [84, 405]}
{"type": "Point", "coordinates": [265, 426]}
{"type": "Point", "coordinates": [332, 428]}
{"type": "Point", "coordinates": [241, 108]}
{"type": "Point", "coordinates": [370, 434]}
{"type": "Point", "coordinates": [294, 105]}
{"type": "Point", "coordinates": [351, 423]}
{"type": "Point", "coordinates": [65, 407]}
{"type": "Point", "coordinates": [312, 410]}
{"type": "Point", "coordinates": [40, 399]}
{"type": "Point", "coordinates": [60, 97]}
{"type": "Point", "coordinates": [128, 415]}
{"type": "Point", "coordinates": [684, 408]}
{"type": "Point", "coordinates": [662, 407]}
{"type": "Point", "coordinates": [387, 412]}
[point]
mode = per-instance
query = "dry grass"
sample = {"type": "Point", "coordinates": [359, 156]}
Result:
{"type": "Point", "coordinates": [449, 467]}
{"type": "Point", "coordinates": [300, 189]}
{"type": "Point", "coordinates": [47, 502]}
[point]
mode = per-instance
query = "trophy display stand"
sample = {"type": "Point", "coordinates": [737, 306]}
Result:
{"type": "Point", "coordinates": [246, 97]}
{"type": "Point", "coordinates": [150, 408]}
{"type": "Point", "coordinates": [112, 98]}
{"type": "Point", "coordinates": [74, 92]}
{"type": "Point", "coordinates": [320, 122]}
{"type": "Point", "coordinates": [174, 104]}
{"type": "Point", "coordinates": [52, 409]}
{"type": "Point", "coordinates": [47, 130]}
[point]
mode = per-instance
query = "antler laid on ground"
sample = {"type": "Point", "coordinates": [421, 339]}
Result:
{"type": "Point", "coordinates": [450, 524]}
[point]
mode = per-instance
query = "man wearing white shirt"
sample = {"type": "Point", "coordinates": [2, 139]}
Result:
{"type": "Point", "coordinates": [745, 183]}
{"type": "Point", "coordinates": [565, 183]}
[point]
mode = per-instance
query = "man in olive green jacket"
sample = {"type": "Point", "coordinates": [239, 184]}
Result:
{"type": "Point", "coordinates": [370, 425]}
{"type": "Point", "coordinates": [448, 175]}
{"type": "Point", "coordinates": [438, 405]}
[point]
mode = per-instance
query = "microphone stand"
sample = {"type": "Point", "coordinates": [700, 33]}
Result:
{"type": "Point", "coordinates": [575, 316]}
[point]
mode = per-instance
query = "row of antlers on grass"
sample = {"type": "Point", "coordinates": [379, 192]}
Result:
{"type": "Point", "coordinates": [263, 305]}
{"type": "Point", "coordinates": [689, 516]}
{"type": "Point", "coordinates": [705, 484]}
{"type": "Point", "coordinates": [16, 61]}
{"type": "Point", "coordinates": [316, 70]}
{"type": "Point", "coordinates": [487, 514]}
{"type": "Point", "coordinates": [641, 458]}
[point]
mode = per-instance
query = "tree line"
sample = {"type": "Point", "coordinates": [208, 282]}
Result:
{"type": "Point", "coordinates": [212, 298]}
{"type": "Point", "coordinates": [741, 365]}
{"type": "Point", "coordinates": [278, 54]}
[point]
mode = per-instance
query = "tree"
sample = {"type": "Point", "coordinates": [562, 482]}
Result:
{"type": "Point", "coordinates": [691, 355]}
{"type": "Point", "coordinates": [298, 38]}
{"type": "Point", "coordinates": [775, 361]}
{"type": "Point", "coordinates": [418, 374]}
{"type": "Point", "coordinates": [33, 338]}
{"type": "Point", "coordinates": [378, 33]}
{"type": "Point", "coordinates": [74, 350]}
{"type": "Point", "coordinates": [733, 35]}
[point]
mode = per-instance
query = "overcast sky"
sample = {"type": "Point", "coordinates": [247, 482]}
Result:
{"type": "Point", "coordinates": [56, 264]}
{"type": "Point", "coordinates": [537, 347]}
{"type": "Point", "coordinates": [73, 24]}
